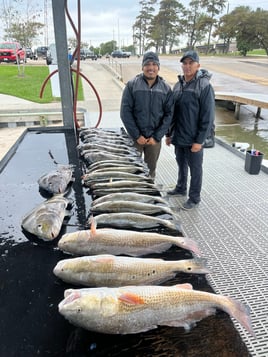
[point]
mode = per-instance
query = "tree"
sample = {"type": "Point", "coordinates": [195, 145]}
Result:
{"type": "Point", "coordinates": [20, 20]}
{"type": "Point", "coordinates": [259, 19]}
{"type": "Point", "coordinates": [107, 47]}
{"type": "Point", "coordinates": [167, 25]}
{"type": "Point", "coordinates": [243, 25]}
{"type": "Point", "coordinates": [195, 24]}
{"type": "Point", "coordinates": [214, 8]}
{"type": "Point", "coordinates": [142, 23]}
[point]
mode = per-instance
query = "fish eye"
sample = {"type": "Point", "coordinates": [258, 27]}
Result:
{"type": "Point", "coordinates": [189, 268]}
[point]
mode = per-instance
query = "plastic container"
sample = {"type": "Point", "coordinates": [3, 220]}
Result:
{"type": "Point", "coordinates": [253, 162]}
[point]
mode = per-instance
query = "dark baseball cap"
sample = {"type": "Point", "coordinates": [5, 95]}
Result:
{"type": "Point", "coordinates": [150, 57]}
{"type": "Point", "coordinates": [190, 54]}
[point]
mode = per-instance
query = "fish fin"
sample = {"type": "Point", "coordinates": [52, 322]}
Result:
{"type": "Point", "coordinates": [93, 225]}
{"type": "Point", "coordinates": [131, 298]}
{"type": "Point", "coordinates": [186, 286]}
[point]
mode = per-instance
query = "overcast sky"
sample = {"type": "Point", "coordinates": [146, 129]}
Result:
{"type": "Point", "coordinates": [107, 20]}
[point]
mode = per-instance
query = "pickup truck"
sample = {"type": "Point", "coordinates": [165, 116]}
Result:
{"type": "Point", "coordinates": [120, 54]}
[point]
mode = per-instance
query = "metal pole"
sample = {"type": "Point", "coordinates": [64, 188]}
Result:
{"type": "Point", "coordinates": [63, 63]}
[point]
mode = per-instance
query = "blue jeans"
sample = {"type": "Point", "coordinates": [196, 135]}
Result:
{"type": "Point", "coordinates": [194, 160]}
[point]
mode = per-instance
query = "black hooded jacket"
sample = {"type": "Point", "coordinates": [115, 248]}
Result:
{"type": "Point", "coordinates": [194, 110]}
{"type": "Point", "coordinates": [145, 110]}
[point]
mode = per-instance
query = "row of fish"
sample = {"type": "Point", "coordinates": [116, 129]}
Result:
{"type": "Point", "coordinates": [124, 299]}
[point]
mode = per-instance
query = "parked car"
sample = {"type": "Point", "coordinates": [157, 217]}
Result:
{"type": "Point", "coordinates": [12, 52]}
{"type": "Point", "coordinates": [29, 52]}
{"type": "Point", "coordinates": [120, 54]}
{"type": "Point", "coordinates": [41, 52]}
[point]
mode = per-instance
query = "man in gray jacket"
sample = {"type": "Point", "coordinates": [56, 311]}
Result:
{"type": "Point", "coordinates": [147, 109]}
{"type": "Point", "coordinates": [193, 119]}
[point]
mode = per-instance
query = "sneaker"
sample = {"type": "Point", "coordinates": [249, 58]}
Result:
{"type": "Point", "coordinates": [189, 205]}
{"type": "Point", "coordinates": [176, 192]}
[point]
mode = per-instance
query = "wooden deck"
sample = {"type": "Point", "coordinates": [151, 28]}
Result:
{"type": "Point", "coordinates": [254, 99]}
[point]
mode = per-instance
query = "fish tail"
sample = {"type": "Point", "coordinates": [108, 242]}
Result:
{"type": "Point", "coordinates": [241, 313]}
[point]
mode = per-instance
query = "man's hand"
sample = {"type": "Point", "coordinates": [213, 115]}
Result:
{"type": "Point", "coordinates": [168, 140]}
{"type": "Point", "coordinates": [151, 141]}
{"type": "Point", "coordinates": [142, 140]}
{"type": "Point", "coordinates": [196, 147]}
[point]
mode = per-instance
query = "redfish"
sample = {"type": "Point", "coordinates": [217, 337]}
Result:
{"type": "Point", "coordinates": [119, 241]}
{"type": "Point", "coordinates": [113, 271]}
{"type": "Point", "coordinates": [135, 309]}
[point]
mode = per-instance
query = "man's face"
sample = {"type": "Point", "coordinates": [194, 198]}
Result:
{"type": "Point", "coordinates": [189, 68]}
{"type": "Point", "coordinates": [150, 70]}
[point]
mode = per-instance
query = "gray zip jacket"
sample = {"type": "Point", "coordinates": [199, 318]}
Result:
{"type": "Point", "coordinates": [194, 110]}
{"type": "Point", "coordinates": [147, 111]}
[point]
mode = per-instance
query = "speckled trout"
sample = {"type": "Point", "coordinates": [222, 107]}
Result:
{"type": "Point", "coordinates": [134, 309]}
{"type": "Point", "coordinates": [113, 271]}
{"type": "Point", "coordinates": [118, 241]}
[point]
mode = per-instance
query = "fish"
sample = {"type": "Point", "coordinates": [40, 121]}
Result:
{"type": "Point", "coordinates": [58, 180]}
{"type": "Point", "coordinates": [135, 309]}
{"type": "Point", "coordinates": [116, 149]}
{"type": "Point", "coordinates": [106, 191]}
{"type": "Point", "coordinates": [100, 177]}
{"type": "Point", "coordinates": [122, 168]}
{"type": "Point", "coordinates": [111, 163]}
{"type": "Point", "coordinates": [119, 241]}
{"type": "Point", "coordinates": [85, 146]}
{"type": "Point", "coordinates": [92, 157]}
{"type": "Point", "coordinates": [131, 206]}
{"type": "Point", "coordinates": [122, 183]}
{"type": "Point", "coordinates": [113, 271]}
{"type": "Point", "coordinates": [130, 196]}
{"type": "Point", "coordinates": [45, 220]}
{"type": "Point", "coordinates": [107, 140]}
{"type": "Point", "coordinates": [129, 220]}
{"type": "Point", "coordinates": [98, 134]}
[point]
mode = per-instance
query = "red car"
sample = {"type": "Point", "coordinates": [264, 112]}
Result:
{"type": "Point", "coordinates": [12, 52]}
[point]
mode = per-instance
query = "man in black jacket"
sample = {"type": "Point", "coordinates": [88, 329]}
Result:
{"type": "Point", "coordinates": [193, 119]}
{"type": "Point", "coordinates": [147, 109]}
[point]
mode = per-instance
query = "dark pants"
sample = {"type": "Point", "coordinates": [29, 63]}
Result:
{"type": "Point", "coordinates": [151, 155]}
{"type": "Point", "coordinates": [194, 160]}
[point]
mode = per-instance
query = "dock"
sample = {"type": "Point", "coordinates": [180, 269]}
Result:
{"type": "Point", "coordinates": [255, 99]}
{"type": "Point", "coordinates": [231, 227]}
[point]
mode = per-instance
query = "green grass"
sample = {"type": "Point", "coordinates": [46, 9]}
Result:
{"type": "Point", "coordinates": [257, 52]}
{"type": "Point", "coordinates": [26, 83]}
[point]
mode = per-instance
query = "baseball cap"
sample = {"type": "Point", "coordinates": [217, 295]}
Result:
{"type": "Point", "coordinates": [150, 57]}
{"type": "Point", "coordinates": [190, 54]}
